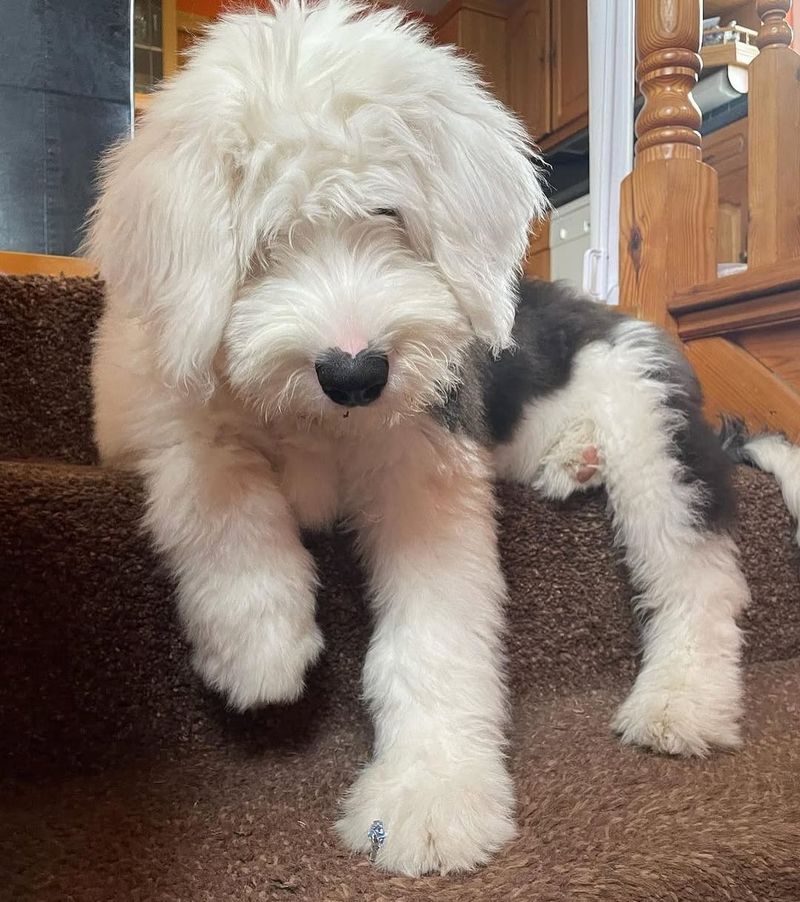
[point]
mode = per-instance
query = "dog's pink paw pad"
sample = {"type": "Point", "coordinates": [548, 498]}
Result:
{"type": "Point", "coordinates": [590, 463]}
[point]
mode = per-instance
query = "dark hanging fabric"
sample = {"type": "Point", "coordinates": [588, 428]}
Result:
{"type": "Point", "coordinates": [65, 95]}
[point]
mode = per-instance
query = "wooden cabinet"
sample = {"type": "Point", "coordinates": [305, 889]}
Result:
{"type": "Point", "coordinates": [479, 28]}
{"type": "Point", "coordinates": [548, 66]}
{"type": "Point", "coordinates": [535, 54]}
{"type": "Point", "coordinates": [726, 151]}
{"type": "Point", "coordinates": [570, 40]}
{"type": "Point", "coordinates": [537, 263]}
{"type": "Point", "coordinates": [529, 69]}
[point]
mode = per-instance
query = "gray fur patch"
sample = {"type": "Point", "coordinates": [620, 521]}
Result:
{"type": "Point", "coordinates": [464, 410]}
{"type": "Point", "coordinates": [553, 323]}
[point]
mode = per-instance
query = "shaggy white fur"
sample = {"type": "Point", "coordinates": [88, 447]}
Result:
{"type": "Point", "coordinates": [688, 694]}
{"type": "Point", "coordinates": [775, 454]}
{"type": "Point", "coordinates": [321, 178]}
{"type": "Point", "coordinates": [313, 179]}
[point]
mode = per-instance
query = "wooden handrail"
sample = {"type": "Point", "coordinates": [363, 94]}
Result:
{"type": "Point", "coordinates": [753, 283]}
{"type": "Point", "coordinates": [780, 308]}
{"type": "Point", "coordinates": [668, 204]}
{"type": "Point", "coordinates": [755, 299]}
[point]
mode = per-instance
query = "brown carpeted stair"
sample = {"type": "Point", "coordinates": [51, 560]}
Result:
{"type": "Point", "coordinates": [123, 779]}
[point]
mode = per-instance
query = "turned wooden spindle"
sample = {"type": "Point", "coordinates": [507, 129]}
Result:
{"type": "Point", "coordinates": [668, 44]}
{"type": "Point", "coordinates": [775, 31]}
{"type": "Point", "coordinates": [774, 157]}
{"type": "Point", "coordinates": [668, 204]}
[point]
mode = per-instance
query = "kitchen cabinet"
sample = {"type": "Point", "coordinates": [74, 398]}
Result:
{"type": "Point", "coordinates": [479, 28]}
{"type": "Point", "coordinates": [569, 35]}
{"type": "Point", "coordinates": [529, 65]}
{"type": "Point", "coordinates": [535, 55]}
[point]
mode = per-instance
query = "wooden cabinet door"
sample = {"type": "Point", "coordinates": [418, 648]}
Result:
{"type": "Point", "coordinates": [529, 81]}
{"type": "Point", "coordinates": [537, 263]}
{"type": "Point", "coordinates": [570, 61]}
{"type": "Point", "coordinates": [726, 151]}
{"type": "Point", "coordinates": [480, 32]}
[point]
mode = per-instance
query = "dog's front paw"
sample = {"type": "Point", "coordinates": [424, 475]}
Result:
{"type": "Point", "coordinates": [436, 818]}
{"type": "Point", "coordinates": [265, 666]}
{"type": "Point", "coordinates": [681, 721]}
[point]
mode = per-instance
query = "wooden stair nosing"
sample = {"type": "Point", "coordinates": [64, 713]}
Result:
{"type": "Point", "coordinates": [754, 284]}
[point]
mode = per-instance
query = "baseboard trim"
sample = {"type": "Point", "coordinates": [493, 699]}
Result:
{"type": "Point", "coordinates": [18, 264]}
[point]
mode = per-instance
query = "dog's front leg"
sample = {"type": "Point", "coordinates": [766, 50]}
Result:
{"type": "Point", "coordinates": [245, 581]}
{"type": "Point", "coordinates": [433, 675]}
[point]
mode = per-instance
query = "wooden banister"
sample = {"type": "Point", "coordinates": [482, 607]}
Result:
{"type": "Point", "coordinates": [774, 157]}
{"type": "Point", "coordinates": [775, 30]}
{"type": "Point", "coordinates": [668, 205]}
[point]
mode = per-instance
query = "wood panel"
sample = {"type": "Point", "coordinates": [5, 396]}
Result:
{"type": "Point", "coordinates": [735, 382]}
{"type": "Point", "coordinates": [668, 204]}
{"type": "Point", "coordinates": [537, 264]}
{"type": "Point", "coordinates": [190, 28]}
{"type": "Point", "coordinates": [774, 114]}
{"type": "Point", "coordinates": [169, 39]}
{"type": "Point", "coordinates": [754, 283]}
{"type": "Point", "coordinates": [208, 8]}
{"type": "Point", "coordinates": [736, 316]}
{"type": "Point", "coordinates": [17, 264]}
{"type": "Point", "coordinates": [777, 348]}
{"type": "Point", "coordinates": [570, 36]}
{"type": "Point", "coordinates": [666, 246]}
{"type": "Point", "coordinates": [529, 73]}
{"type": "Point", "coordinates": [478, 28]}
{"type": "Point", "coordinates": [566, 131]}
{"type": "Point", "coordinates": [726, 151]}
{"type": "Point", "coordinates": [741, 11]}
{"type": "Point", "coordinates": [448, 32]}
{"type": "Point", "coordinates": [483, 36]}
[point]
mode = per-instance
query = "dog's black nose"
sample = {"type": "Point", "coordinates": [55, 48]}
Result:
{"type": "Point", "coordinates": [352, 381]}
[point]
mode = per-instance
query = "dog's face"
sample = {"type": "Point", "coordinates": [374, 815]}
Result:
{"type": "Point", "coordinates": [249, 210]}
{"type": "Point", "coordinates": [345, 318]}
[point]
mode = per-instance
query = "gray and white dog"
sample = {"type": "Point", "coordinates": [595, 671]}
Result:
{"type": "Point", "coordinates": [311, 251]}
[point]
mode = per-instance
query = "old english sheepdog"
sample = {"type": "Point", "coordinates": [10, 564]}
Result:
{"type": "Point", "coordinates": [311, 251]}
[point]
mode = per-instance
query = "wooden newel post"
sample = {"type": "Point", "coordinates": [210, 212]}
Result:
{"type": "Point", "coordinates": [668, 206]}
{"type": "Point", "coordinates": [774, 162]}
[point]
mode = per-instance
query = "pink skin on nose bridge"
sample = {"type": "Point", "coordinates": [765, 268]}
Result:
{"type": "Point", "coordinates": [352, 342]}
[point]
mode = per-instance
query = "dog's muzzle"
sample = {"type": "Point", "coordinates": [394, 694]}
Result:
{"type": "Point", "coordinates": [352, 381]}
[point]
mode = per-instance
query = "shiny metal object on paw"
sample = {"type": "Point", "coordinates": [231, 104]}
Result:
{"type": "Point", "coordinates": [377, 837]}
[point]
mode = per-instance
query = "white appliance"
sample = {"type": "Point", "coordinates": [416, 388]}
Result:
{"type": "Point", "coordinates": [570, 238]}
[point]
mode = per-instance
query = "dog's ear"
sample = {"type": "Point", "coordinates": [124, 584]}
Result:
{"type": "Point", "coordinates": [163, 235]}
{"type": "Point", "coordinates": [481, 194]}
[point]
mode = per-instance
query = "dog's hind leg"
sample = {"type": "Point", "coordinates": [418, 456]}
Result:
{"type": "Point", "coordinates": [664, 474]}
{"type": "Point", "coordinates": [245, 581]}
{"type": "Point", "coordinates": [433, 675]}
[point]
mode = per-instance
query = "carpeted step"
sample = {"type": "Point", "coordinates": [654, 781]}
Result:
{"type": "Point", "coordinates": [598, 822]}
{"type": "Point", "coordinates": [126, 780]}
{"type": "Point", "coordinates": [93, 669]}
{"type": "Point", "coordinates": [47, 326]}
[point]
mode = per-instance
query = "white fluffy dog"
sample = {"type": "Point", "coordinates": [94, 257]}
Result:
{"type": "Point", "coordinates": [310, 251]}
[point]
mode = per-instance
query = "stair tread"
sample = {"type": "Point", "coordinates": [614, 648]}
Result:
{"type": "Point", "coordinates": [100, 670]}
{"type": "Point", "coordinates": [252, 818]}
